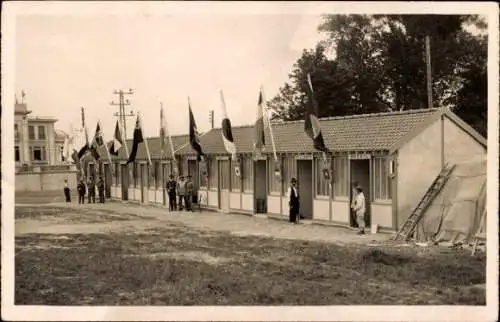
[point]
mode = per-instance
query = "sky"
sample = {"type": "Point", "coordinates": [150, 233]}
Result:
{"type": "Point", "coordinates": [64, 62]}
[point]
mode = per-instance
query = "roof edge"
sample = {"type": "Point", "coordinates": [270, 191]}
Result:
{"type": "Point", "coordinates": [466, 127]}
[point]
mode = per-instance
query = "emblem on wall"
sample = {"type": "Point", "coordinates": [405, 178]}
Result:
{"type": "Point", "coordinates": [327, 171]}
{"type": "Point", "coordinates": [203, 168]}
{"type": "Point", "coordinates": [277, 170]}
{"type": "Point", "coordinates": [237, 167]}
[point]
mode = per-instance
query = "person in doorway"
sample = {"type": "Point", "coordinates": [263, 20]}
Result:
{"type": "Point", "coordinates": [181, 191]}
{"type": "Point", "coordinates": [91, 189]}
{"type": "Point", "coordinates": [354, 193]}
{"type": "Point", "coordinates": [360, 209]}
{"type": "Point", "coordinates": [189, 193]}
{"type": "Point", "coordinates": [100, 189]}
{"type": "Point", "coordinates": [81, 192]}
{"type": "Point", "coordinates": [293, 201]}
{"type": "Point", "coordinates": [67, 191]}
{"type": "Point", "coordinates": [171, 191]}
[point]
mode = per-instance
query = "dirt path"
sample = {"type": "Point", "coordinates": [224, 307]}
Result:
{"type": "Point", "coordinates": [153, 216]}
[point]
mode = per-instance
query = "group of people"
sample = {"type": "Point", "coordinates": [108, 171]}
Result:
{"type": "Point", "coordinates": [181, 193]}
{"type": "Point", "coordinates": [89, 187]}
{"type": "Point", "coordinates": [358, 205]}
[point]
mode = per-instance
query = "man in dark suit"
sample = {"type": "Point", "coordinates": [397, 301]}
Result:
{"type": "Point", "coordinates": [293, 201]}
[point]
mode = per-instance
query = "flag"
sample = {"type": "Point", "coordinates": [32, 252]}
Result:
{"type": "Point", "coordinates": [227, 133]}
{"type": "Point", "coordinates": [311, 124]}
{"type": "Point", "coordinates": [138, 138]}
{"type": "Point", "coordinates": [194, 136]}
{"type": "Point", "coordinates": [97, 142]}
{"type": "Point", "coordinates": [117, 142]}
{"type": "Point", "coordinates": [83, 150]}
{"type": "Point", "coordinates": [259, 138]}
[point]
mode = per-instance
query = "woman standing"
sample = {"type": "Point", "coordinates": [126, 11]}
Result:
{"type": "Point", "coordinates": [67, 191]}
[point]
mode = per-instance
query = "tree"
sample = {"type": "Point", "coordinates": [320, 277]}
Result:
{"type": "Point", "coordinates": [379, 65]}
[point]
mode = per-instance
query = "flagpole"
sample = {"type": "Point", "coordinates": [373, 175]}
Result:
{"type": "Point", "coordinates": [167, 133]}
{"type": "Point", "coordinates": [268, 121]}
{"type": "Point", "coordinates": [86, 139]}
{"type": "Point", "coordinates": [106, 145]}
{"type": "Point", "coordinates": [145, 139]}
{"type": "Point", "coordinates": [124, 138]}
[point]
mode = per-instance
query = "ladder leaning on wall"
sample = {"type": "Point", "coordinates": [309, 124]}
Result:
{"type": "Point", "coordinates": [436, 186]}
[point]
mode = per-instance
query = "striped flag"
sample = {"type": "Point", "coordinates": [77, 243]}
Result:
{"type": "Point", "coordinates": [227, 133]}
{"type": "Point", "coordinates": [194, 136]}
{"type": "Point", "coordinates": [117, 142]}
{"type": "Point", "coordinates": [311, 124]}
{"type": "Point", "coordinates": [259, 138]}
{"type": "Point", "coordinates": [86, 146]}
{"type": "Point", "coordinates": [138, 138]}
{"type": "Point", "coordinates": [97, 142]}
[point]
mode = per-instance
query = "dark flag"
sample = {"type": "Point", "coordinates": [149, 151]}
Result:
{"type": "Point", "coordinates": [97, 142]}
{"type": "Point", "coordinates": [227, 133]}
{"type": "Point", "coordinates": [194, 136]}
{"type": "Point", "coordinates": [259, 138]}
{"type": "Point", "coordinates": [138, 138]}
{"type": "Point", "coordinates": [117, 140]}
{"type": "Point", "coordinates": [311, 124]}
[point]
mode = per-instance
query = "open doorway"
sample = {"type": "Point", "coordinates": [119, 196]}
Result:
{"type": "Point", "coordinates": [223, 188]}
{"type": "Point", "coordinates": [305, 187]}
{"type": "Point", "coordinates": [124, 181]}
{"type": "Point", "coordinates": [260, 187]}
{"type": "Point", "coordinates": [107, 179]}
{"type": "Point", "coordinates": [360, 174]}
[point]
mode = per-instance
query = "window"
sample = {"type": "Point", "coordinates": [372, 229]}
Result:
{"type": "Point", "coordinates": [247, 173]}
{"type": "Point", "coordinates": [212, 173]}
{"type": "Point", "coordinates": [38, 153]}
{"type": "Point", "coordinates": [203, 178]}
{"type": "Point", "coordinates": [274, 182]}
{"type": "Point", "coordinates": [381, 180]}
{"type": "Point", "coordinates": [289, 171]}
{"type": "Point", "coordinates": [41, 132]}
{"type": "Point", "coordinates": [16, 131]}
{"type": "Point", "coordinates": [17, 154]}
{"type": "Point", "coordinates": [235, 180]}
{"type": "Point", "coordinates": [322, 185]}
{"type": "Point", "coordinates": [341, 177]}
{"type": "Point", "coordinates": [224, 167]}
{"type": "Point", "coordinates": [31, 132]}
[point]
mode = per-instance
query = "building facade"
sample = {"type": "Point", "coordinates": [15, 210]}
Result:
{"type": "Point", "coordinates": [393, 156]}
{"type": "Point", "coordinates": [36, 142]}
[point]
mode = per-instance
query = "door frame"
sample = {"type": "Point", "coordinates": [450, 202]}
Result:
{"type": "Point", "coordinates": [311, 191]}
{"type": "Point", "coordinates": [368, 196]}
{"type": "Point", "coordinates": [256, 161]}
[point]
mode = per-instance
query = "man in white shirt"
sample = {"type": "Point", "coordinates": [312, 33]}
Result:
{"type": "Point", "coordinates": [360, 209]}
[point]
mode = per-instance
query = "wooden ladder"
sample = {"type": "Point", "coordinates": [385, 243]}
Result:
{"type": "Point", "coordinates": [424, 203]}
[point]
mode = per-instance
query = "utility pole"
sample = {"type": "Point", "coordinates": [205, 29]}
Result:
{"type": "Point", "coordinates": [122, 102]}
{"type": "Point", "coordinates": [429, 70]}
{"type": "Point", "coordinates": [211, 118]}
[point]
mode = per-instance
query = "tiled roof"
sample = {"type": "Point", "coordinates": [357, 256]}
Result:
{"type": "Point", "coordinates": [366, 132]}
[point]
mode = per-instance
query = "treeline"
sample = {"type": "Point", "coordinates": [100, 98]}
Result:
{"type": "Point", "coordinates": [375, 63]}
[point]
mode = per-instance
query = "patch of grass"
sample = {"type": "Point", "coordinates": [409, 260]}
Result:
{"type": "Point", "coordinates": [117, 269]}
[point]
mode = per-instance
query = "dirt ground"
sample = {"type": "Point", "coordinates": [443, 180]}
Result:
{"type": "Point", "coordinates": [127, 254]}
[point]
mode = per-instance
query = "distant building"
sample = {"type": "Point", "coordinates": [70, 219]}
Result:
{"type": "Point", "coordinates": [36, 142]}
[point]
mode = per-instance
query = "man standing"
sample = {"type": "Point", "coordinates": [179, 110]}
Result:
{"type": "Point", "coordinates": [171, 191]}
{"type": "Point", "coordinates": [91, 188]}
{"type": "Point", "coordinates": [67, 191]}
{"type": "Point", "coordinates": [293, 201]}
{"type": "Point", "coordinates": [100, 188]}
{"type": "Point", "coordinates": [189, 193]}
{"type": "Point", "coordinates": [360, 209]}
{"type": "Point", "coordinates": [181, 191]}
{"type": "Point", "coordinates": [354, 193]}
{"type": "Point", "coordinates": [81, 192]}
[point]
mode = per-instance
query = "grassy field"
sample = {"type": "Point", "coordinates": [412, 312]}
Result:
{"type": "Point", "coordinates": [171, 264]}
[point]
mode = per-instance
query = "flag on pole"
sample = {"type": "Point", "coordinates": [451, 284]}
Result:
{"type": "Point", "coordinates": [227, 133]}
{"type": "Point", "coordinates": [138, 138]}
{"type": "Point", "coordinates": [117, 142]}
{"type": "Point", "coordinates": [97, 142]}
{"type": "Point", "coordinates": [311, 124]}
{"type": "Point", "coordinates": [194, 136]}
{"type": "Point", "coordinates": [86, 146]}
{"type": "Point", "coordinates": [259, 138]}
